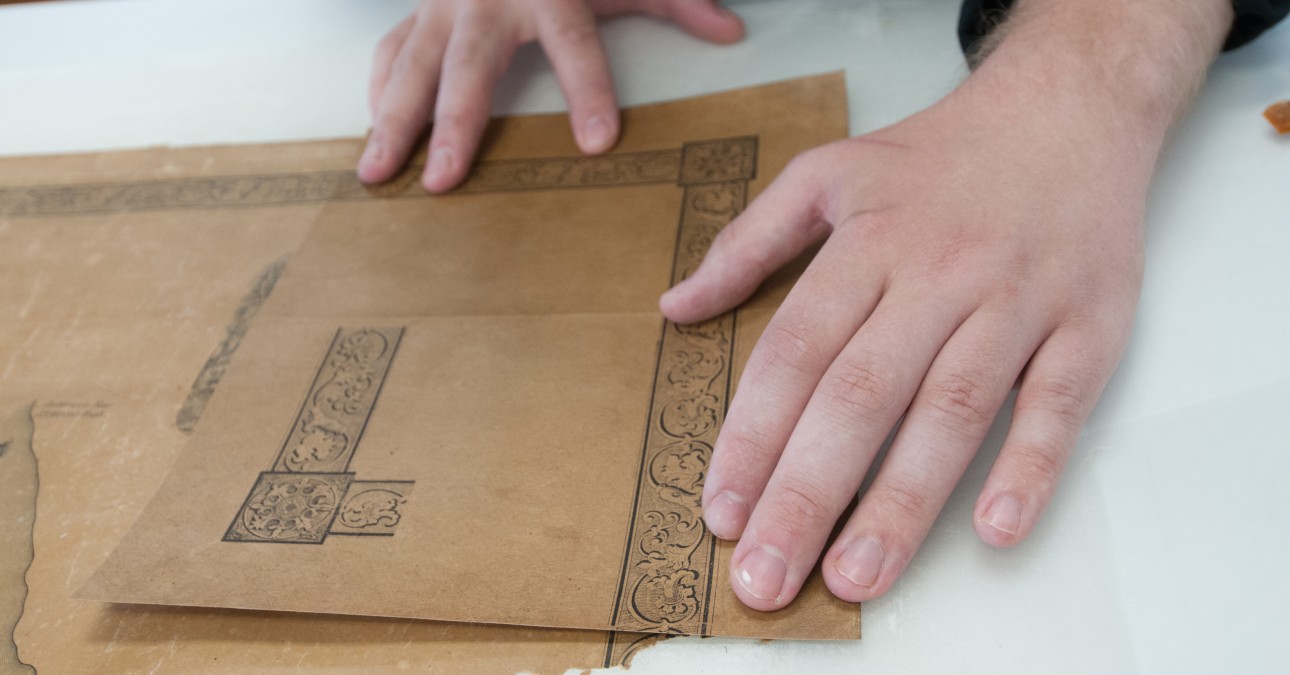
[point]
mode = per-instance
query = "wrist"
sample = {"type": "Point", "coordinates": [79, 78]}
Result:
{"type": "Point", "coordinates": [1129, 67]}
{"type": "Point", "coordinates": [1085, 91]}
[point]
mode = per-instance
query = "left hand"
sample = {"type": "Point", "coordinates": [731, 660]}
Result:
{"type": "Point", "coordinates": [444, 60]}
{"type": "Point", "coordinates": [988, 238]}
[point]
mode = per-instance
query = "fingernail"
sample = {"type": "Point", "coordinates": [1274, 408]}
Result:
{"type": "Point", "coordinates": [861, 562]}
{"type": "Point", "coordinates": [441, 163]}
{"type": "Point", "coordinates": [762, 573]}
{"type": "Point", "coordinates": [726, 515]}
{"type": "Point", "coordinates": [1004, 514]}
{"type": "Point", "coordinates": [596, 135]}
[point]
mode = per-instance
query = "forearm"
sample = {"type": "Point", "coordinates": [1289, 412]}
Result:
{"type": "Point", "coordinates": [1101, 71]}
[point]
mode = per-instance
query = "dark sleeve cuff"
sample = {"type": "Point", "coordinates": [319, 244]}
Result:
{"type": "Point", "coordinates": [979, 17]}
{"type": "Point", "coordinates": [1252, 18]}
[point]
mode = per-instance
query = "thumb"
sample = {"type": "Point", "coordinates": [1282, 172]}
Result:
{"type": "Point", "coordinates": [775, 228]}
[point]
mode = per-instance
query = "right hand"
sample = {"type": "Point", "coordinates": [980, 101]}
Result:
{"type": "Point", "coordinates": [447, 56]}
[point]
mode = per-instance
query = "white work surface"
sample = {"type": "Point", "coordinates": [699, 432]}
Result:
{"type": "Point", "coordinates": [1166, 549]}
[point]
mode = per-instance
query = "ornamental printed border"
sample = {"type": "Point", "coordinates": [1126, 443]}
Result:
{"type": "Point", "coordinates": [309, 493]}
{"type": "Point", "coordinates": [251, 190]}
{"type": "Point", "coordinates": [668, 567]}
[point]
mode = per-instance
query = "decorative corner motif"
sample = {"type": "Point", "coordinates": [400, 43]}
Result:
{"type": "Point", "coordinates": [727, 159]}
{"type": "Point", "coordinates": [310, 492]}
{"type": "Point", "coordinates": [667, 571]}
{"type": "Point", "coordinates": [290, 507]}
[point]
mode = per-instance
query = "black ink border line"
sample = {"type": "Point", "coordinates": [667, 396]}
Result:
{"type": "Point", "coordinates": [649, 418]}
{"type": "Point", "coordinates": [346, 187]}
{"type": "Point", "coordinates": [613, 639]}
{"type": "Point", "coordinates": [730, 385]}
{"type": "Point", "coordinates": [376, 397]}
{"type": "Point", "coordinates": [313, 388]}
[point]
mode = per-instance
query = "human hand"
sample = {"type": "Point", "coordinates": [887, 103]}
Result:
{"type": "Point", "coordinates": [993, 236]}
{"type": "Point", "coordinates": [448, 55]}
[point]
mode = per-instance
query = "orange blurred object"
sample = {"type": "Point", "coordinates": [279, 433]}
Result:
{"type": "Point", "coordinates": [1279, 115]}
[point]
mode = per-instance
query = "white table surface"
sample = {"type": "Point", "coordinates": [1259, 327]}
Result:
{"type": "Point", "coordinates": [1166, 551]}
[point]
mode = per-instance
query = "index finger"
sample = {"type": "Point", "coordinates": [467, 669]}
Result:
{"type": "Point", "coordinates": [830, 302]}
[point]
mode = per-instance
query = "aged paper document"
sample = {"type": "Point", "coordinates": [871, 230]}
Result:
{"type": "Point", "coordinates": [131, 280]}
{"type": "Point", "coordinates": [468, 408]}
{"type": "Point", "coordinates": [120, 317]}
{"type": "Point", "coordinates": [127, 284]}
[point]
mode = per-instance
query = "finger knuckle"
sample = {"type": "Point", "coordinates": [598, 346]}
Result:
{"type": "Point", "coordinates": [860, 391]}
{"type": "Point", "coordinates": [809, 164]}
{"type": "Point", "coordinates": [867, 225]}
{"type": "Point", "coordinates": [1038, 463]}
{"type": "Point", "coordinates": [456, 119]}
{"type": "Point", "coordinates": [731, 242]}
{"type": "Point", "coordinates": [960, 401]}
{"type": "Point", "coordinates": [743, 443]}
{"type": "Point", "coordinates": [577, 33]}
{"type": "Point", "coordinates": [801, 162]}
{"type": "Point", "coordinates": [787, 344]}
{"type": "Point", "coordinates": [905, 499]}
{"type": "Point", "coordinates": [467, 55]}
{"type": "Point", "coordinates": [415, 63]}
{"type": "Point", "coordinates": [1062, 396]}
{"type": "Point", "coordinates": [389, 43]}
{"type": "Point", "coordinates": [394, 122]}
{"type": "Point", "coordinates": [802, 503]}
{"type": "Point", "coordinates": [948, 256]}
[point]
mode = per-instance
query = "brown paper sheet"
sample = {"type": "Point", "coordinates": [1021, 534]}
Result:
{"type": "Point", "coordinates": [462, 383]}
{"type": "Point", "coordinates": [110, 315]}
{"type": "Point", "coordinates": [129, 272]}
{"type": "Point", "coordinates": [109, 318]}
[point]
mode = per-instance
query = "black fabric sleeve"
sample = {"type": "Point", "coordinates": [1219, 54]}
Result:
{"type": "Point", "coordinates": [979, 17]}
